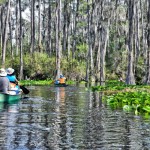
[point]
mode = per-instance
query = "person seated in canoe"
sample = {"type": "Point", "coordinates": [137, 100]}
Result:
{"type": "Point", "coordinates": [4, 82]}
{"type": "Point", "coordinates": [61, 80]}
{"type": "Point", "coordinates": [13, 80]}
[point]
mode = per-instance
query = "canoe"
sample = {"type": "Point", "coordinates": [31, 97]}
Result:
{"type": "Point", "coordinates": [61, 85]}
{"type": "Point", "coordinates": [7, 98]}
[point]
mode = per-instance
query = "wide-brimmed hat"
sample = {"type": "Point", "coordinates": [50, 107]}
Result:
{"type": "Point", "coordinates": [3, 72]}
{"type": "Point", "coordinates": [10, 71]}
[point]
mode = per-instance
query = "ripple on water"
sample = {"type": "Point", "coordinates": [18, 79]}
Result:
{"type": "Point", "coordinates": [70, 118]}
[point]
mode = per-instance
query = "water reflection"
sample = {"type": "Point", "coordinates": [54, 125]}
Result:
{"type": "Point", "coordinates": [70, 118]}
{"type": "Point", "coordinates": [8, 123]}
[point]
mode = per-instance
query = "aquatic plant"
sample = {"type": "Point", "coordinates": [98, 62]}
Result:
{"type": "Point", "coordinates": [138, 102]}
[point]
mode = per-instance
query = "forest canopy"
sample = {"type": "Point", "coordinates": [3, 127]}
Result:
{"type": "Point", "coordinates": [87, 40]}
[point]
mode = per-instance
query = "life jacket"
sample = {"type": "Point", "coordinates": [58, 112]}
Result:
{"type": "Point", "coordinates": [62, 80]}
{"type": "Point", "coordinates": [12, 85]}
{"type": "Point", "coordinates": [14, 89]}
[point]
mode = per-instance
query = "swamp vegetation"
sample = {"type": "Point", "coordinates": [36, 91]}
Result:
{"type": "Point", "coordinates": [130, 98]}
{"type": "Point", "coordinates": [91, 41]}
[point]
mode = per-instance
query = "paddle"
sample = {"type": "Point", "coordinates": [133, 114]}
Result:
{"type": "Point", "coordinates": [24, 89]}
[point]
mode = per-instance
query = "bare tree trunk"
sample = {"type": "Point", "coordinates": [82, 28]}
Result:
{"type": "Point", "coordinates": [1, 27]}
{"type": "Point", "coordinates": [43, 24]}
{"type": "Point", "coordinates": [89, 28]}
{"type": "Point", "coordinates": [10, 31]}
{"type": "Point", "coordinates": [5, 34]}
{"type": "Point", "coordinates": [103, 54]}
{"type": "Point", "coordinates": [136, 39]}
{"type": "Point", "coordinates": [75, 29]}
{"type": "Point", "coordinates": [49, 37]}
{"type": "Point", "coordinates": [39, 26]}
{"type": "Point", "coordinates": [20, 43]}
{"type": "Point", "coordinates": [130, 80]}
{"type": "Point", "coordinates": [58, 37]}
{"type": "Point", "coordinates": [96, 42]}
{"type": "Point", "coordinates": [32, 26]}
{"type": "Point", "coordinates": [69, 40]}
{"type": "Point", "coordinates": [148, 43]}
{"type": "Point", "coordinates": [17, 51]}
{"type": "Point", "coordinates": [68, 32]}
{"type": "Point", "coordinates": [65, 26]}
{"type": "Point", "coordinates": [144, 47]}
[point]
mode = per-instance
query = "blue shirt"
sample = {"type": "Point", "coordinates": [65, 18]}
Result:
{"type": "Point", "coordinates": [12, 78]}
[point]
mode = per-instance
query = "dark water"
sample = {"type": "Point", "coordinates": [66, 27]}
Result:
{"type": "Point", "coordinates": [70, 118]}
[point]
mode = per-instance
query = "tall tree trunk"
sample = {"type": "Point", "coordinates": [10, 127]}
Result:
{"type": "Point", "coordinates": [32, 27]}
{"type": "Point", "coordinates": [65, 26]}
{"type": "Point", "coordinates": [96, 42]}
{"type": "Point", "coordinates": [144, 45]}
{"type": "Point", "coordinates": [68, 32]}
{"type": "Point", "coordinates": [5, 34]}
{"type": "Point", "coordinates": [1, 27]}
{"type": "Point", "coordinates": [136, 39]}
{"type": "Point", "coordinates": [10, 31]}
{"type": "Point", "coordinates": [49, 37]}
{"type": "Point", "coordinates": [43, 24]}
{"type": "Point", "coordinates": [148, 43]}
{"type": "Point", "coordinates": [89, 30]}
{"type": "Point", "coordinates": [17, 51]}
{"type": "Point", "coordinates": [58, 37]}
{"type": "Point", "coordinates": [130, 80]}
{"type": "Point", "coordinates": [39, 26]}
{"type": "Point", "coordinates": [20, 43]}
{"type": "Point", "coordinates": [75, 29]}
{"type": "Point", "coordinates": [103, 54]}
{"type": "Point", "coordinates": [69, 40]}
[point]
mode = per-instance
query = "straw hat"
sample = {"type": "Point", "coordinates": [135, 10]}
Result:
{"type": "Point", "coordinates": [3, 72]}
{"type": "Point", "coordinates": [10, 71]}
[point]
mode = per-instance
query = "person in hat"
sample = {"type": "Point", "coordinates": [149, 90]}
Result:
{"type": "Point", "coordinates": [11, 76]}
{"type": "Point", "coordinates": [12, 79]}
{"type": "Point", "coordinates": [62, 79]}
{"type": "Point", "coordinates": [4, 81]}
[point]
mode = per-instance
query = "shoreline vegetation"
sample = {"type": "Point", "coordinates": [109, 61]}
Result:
{"type": "Point", "coordinates": [41, 82]}
{"type": "Point", "coordinates": [117, 95]}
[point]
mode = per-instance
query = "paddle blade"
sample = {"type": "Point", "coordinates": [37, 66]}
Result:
{"type": "Point", "coordinates": [25, 90]}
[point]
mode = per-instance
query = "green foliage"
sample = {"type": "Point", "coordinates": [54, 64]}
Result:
{"type": "Point", "coordinates": [114, 85]}
{"type": "Point", "coordinates": [36, 82]}
{"type": "Point", "coordinates": [44, 66]}
{"type": "Point", "coordinates": [110, 85]}
{"type": "Point", "coordinates": [2, 2]}
{"type": "Point", "coordinates": [133, 98]}
{"type": "Point", "coordinates": [40, 63]}
{"type": "Point", "coordinates": [137, 101]}
{"type": "Point", "coordinates": [81, 51]}
{"type": "Point", "coordinates": [41, 82]}
{"type": "Point", "coordinates": [75, 69]}
{"type": "Point", "coordinates": [81, 24]}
